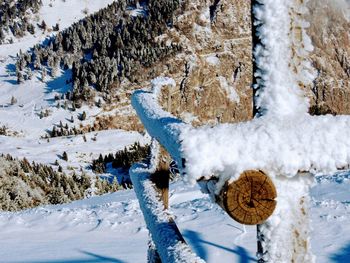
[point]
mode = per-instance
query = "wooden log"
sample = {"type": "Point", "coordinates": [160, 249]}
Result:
{"type": "Point", "coordinates": [165, 234]}
{"type": "Point", "coordinates": [161, 177]}
{"type": "Point", "coordinates": [250, 200]}
{"type": "Point", "coordinates": [161, 183]}
{"type": "Point", "coordinates": [166, 244]}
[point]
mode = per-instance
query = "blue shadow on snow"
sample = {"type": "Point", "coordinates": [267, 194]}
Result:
{"type": "Point", "coordinates": [11, 68]}
{"type": "Point", "coordinates": [59, 84]}
{"type": "Point", "coordinates": [342, 256]}
{"type": "Point", "coordinates": [93, 258]}
{"type": "Point", "coordinates": [197, 242]}
{"type": "Point", "coordinates": [11, 81]}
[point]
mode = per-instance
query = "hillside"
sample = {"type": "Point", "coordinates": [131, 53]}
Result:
{"type": "Point", "coordinates": [68, 130]}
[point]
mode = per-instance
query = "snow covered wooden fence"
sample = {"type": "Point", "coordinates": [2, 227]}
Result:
{"type": "Point", "coordinates": [245, 166]}
{"type": "Point", "coordinates": [151, 182]}
{"type": "Point", "coordinates": [249, 200]}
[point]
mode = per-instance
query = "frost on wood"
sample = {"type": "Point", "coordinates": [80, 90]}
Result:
{"type": "Point", "coordinates": [285, 236]}
{"type": "Point", "coordinates": [303, 143]}
{"type": "Point", "coordinates": [161, 125]}
{"type": "Point", "coordinates": [169, 244]}
{"type": "Point", "coordinates": [281, 58]}
{"type": "Point", "coordinates": [274, 145]}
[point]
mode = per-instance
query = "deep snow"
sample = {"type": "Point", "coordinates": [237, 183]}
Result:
{"type": "Point", "coordinates": [111, 228]}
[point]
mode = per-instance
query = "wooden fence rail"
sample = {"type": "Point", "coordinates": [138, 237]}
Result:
{"type": "Point", "coordinates": [151, 184]}
{"type": "Point", "coordinates": [249, 200]}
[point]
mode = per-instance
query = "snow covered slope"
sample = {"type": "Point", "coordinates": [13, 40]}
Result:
{"type": "Point", "coordinates": [60, 12]}
{"type": "Point", "coordinates": [111, 228]}
{"type": "Point", "coordinates": [35, 96]}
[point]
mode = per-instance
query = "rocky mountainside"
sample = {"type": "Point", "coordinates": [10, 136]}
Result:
{"type": "Point", "coordinates": [213, 68]}
{"type": "Point", "coordinates": [211, 61]}
{"type": "Point", "coordinates": [329, 20]}
{"type": "Point", "coordinates": [216, 83]}
{"type": "Point", "coordinates": [215, 76]}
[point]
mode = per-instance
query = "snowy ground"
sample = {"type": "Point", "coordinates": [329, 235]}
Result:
{"type": "Point", "coordinates": [111, 228]}
{"type": "Point", "coordinates": [34, 96]}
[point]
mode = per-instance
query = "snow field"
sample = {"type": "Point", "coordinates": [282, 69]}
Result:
{"type": "Point", "coordinates": [111, 227]}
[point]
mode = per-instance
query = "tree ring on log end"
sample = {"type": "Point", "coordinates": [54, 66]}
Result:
{"type": "Point", "coordinates": [250, 200]}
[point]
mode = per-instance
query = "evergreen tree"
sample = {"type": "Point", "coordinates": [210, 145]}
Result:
{"type": "Point", "coordinates": [65, 156]}
{"type": "Point", "coordinates": [83, 116]}
{"type": "Point", "coordinates": [43, 25]}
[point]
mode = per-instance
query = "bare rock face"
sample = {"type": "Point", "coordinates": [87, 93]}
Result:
{"type": "Point", "coordinates": [329, 30]}
{"type": "Point", "coordinates": [213, 72]}
{"type": "Point", "coordinates": [217, 74]}
{"type": "Point", "coordinates": [215, 66]}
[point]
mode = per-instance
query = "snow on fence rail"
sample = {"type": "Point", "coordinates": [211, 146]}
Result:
{"type": "Point", "coordinates": [249, 166]}
{"type": "Point", "coordinates": [170, 244]}
{"type": "Point", "coordinates": [279, 146]}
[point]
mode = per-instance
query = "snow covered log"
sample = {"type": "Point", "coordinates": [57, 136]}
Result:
{"type": "Point", "coordinates": [279, 146]}
{"type": "Point", "coordinates": [166, 129]}
{"type": "Point", "coordinates": [161, 125]}
{"type": "Point", "coordinates": [276, 145]}
{"type": "Point", "coordinates": [166, 237]}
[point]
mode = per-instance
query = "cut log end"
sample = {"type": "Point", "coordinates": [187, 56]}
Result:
{"type": "Point", "coordinates": [251, 199]}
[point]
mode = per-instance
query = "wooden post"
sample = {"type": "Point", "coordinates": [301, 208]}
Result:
{"type": "Point", "coordinates": [260, 250]}
{"type": "Point", "coordinates": [161, 181]}
{"type": "Point", "coordinates": [255, 42]}
{"type": "Point", "coordinates": [289, 226]}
